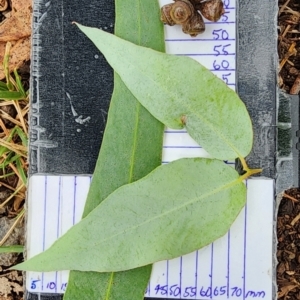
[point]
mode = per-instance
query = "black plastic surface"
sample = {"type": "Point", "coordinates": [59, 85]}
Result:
{"type": "Point", "coordinates": [256, 77]}
{"type": "Point", "coordinates": [44, 296]}
{"type": "Point", "coordinates": [68, 72]}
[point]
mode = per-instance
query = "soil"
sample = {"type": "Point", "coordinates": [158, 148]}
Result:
{"type": "Point", "coordinates": [288, 222]}
{"type": "Point", "coordinates": [288, 249]}
{"type": "Point", "coordinates": [289, 46]}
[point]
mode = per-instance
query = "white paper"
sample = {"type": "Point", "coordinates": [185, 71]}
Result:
{"type": "Point", "coordinates": [237, 266]}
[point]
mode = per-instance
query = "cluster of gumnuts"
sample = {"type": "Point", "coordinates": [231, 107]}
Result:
{"type": "Point", "coordinates": [188, 14]}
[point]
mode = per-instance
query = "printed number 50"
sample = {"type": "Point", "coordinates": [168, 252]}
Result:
{"type": "Point", "coordinates": [220, 34]}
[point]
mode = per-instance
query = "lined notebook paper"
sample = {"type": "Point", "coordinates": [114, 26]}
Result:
{"type": "Point", "coordinates": [237, 266]}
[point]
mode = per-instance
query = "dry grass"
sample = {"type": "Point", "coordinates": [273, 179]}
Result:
{"type": "Point", "coordinates": [13, 145]}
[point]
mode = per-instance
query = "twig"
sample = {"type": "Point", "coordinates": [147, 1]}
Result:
{"type": "Point", "coordinates": [295, 89]}
{"type": "Point", "coordinates": [2, 125]}
{"type": "Point", "coordinates": [283, 6]}
{"type": "Point", "coordinates": [290, 197]}
{"type": "Point", "coordinates": [295, 220]}
{"type": "Point", "coordinates": [11, 196]}
{"type": "Point", "coordinates": [7, 186]}
{"type": "Point", "coordinates": [18, 149]}
{"type": "Point", "coordinates": [19, 111]}
{"type": "Point", "coordinates": [9, 118]}
{"type": "Point", "coordinates": [290, 52]}
{"type": "Point", "coordinates": [12, 227]}
{"type": "Point", "coordinates": [286, 30]}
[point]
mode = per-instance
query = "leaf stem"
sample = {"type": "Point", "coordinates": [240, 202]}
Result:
{"type": "Point", "coordinates": [249, 172]}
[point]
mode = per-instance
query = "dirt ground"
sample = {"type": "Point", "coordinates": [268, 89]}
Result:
{"type": "Point", "coordinates": [288, 225]}
{"type": "Point", "coordinates": [289, 46]}
{"type": "Point", "coordinates": [17, 15]}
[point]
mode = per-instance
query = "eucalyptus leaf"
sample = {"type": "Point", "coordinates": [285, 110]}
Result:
{"type": "Point", "coordinates": [179, 91]}
{"type": "Point", "coordinates": [131, 148]}
{"type": "Point", "coordinates": [176, 209]}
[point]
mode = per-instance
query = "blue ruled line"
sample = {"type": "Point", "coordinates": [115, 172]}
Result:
{"type": "Point", "coordinates": [205, 54]}
{"type": "Point", "coordinates": [173, 131]}
{"type": "Point", "coordinates": [58, 223]}
{"type": "Point", "coordinates": [167, 273]}
{"type": "Point", "coordinates": [182, 147]}
{"type": "Point", "coordinates": [245, 245]}
{"type": "Point", "coordinates": [221, 70]}
{"type": "Point", "coordinates": [211, 269]}
{"type": "Point", "coordinates": [224, 22]}
{"type": "Point", "coordinates": [196, 274]}
{"type": "Point", "coordinates": [180, 276]}
{"type": "Point", "coordinates": [228, 262]}
{"type": "Point", "coordinates": [74, 200]}
{"type": "Point", "coordinates": [44, 235]}
{"type": "Point", "coordinates": [197, 40]}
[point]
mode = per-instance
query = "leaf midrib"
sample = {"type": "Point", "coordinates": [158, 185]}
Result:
{"type": "Point", "coordinates": [134, 149]}
{"type": "Point", "coordinates": [192, 201]}
{"type": "Point", "coordinates": [172, 95]}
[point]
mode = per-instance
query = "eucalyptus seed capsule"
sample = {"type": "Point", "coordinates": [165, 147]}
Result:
{"type": "Point", "coordinates": [182, 11]}
{"type": "Point", "coordinates": [177, 13]}
{"type": "Point", "coordinates": [165, 14]}
{"type": "Point", "coordinates": [212, 10]}
{"type": "Point", "coordinates": [195, 25]}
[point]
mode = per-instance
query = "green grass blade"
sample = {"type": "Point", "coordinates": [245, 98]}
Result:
{"type": "Point", "coordinates": [9, 159]}
{"type": "Point", "coordinates": [6, 175]}
{"type": "Point", "coordinates": [22, 136]}
{"type": "Point", "coordinates": [21, 171]}
{"type": "Point", "coordinates": [9, 85]}
{"type": "Point", "coordinates": [3, 86]}
{"type": "Point", "coordinates": [19, 84]}
{"type": "Point", "coordinates": [11, 95]}
{"type": "Point", "coordinates": [7, 139]}
{"type": "Point", "coordinates": [3, 150]}
{"type": "Point", "coordinates": [12, 249]}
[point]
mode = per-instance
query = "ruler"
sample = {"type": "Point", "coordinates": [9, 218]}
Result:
{"type": "Point", "coordinates": [64, 145]}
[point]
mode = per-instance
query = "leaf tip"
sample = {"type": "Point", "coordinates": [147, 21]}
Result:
{"type": "Point", "coordinates": [18, 267]}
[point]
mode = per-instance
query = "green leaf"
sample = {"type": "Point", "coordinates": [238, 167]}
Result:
{"type": "Point", "coordinates": [3, 86]}
{"type": "Point", "coordinates": [11, 95]}
{"type": "Point", "coordinates": [131, 148]}
{"type": "Point", "coordinates": [20, 169]}
{"type": "Point", "coordinates": [176, 209]}
{"type": "Point", "coordinates": [12, 249]}
{"type": "Point", "coordinates": [22, 136]}
{"type": "Point", "coordinates": [19, 84]}
{"type": "Point", "coordinates": [177, 90]}
{"type": "Point", "coordinates": [9, 159]}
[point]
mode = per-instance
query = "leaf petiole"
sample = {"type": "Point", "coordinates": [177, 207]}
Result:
{"type": "Point", "coordinates": [249, 172]}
